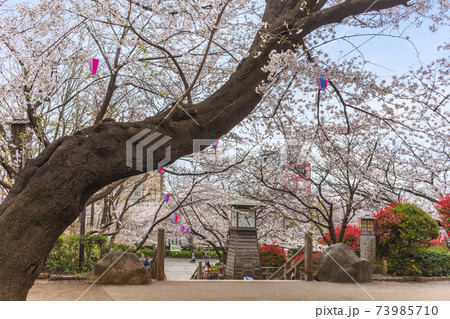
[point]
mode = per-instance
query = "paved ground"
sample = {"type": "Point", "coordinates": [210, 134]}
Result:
{"type": "Point", "coordinates": [179, 287]}
{"type": "Point", "coordinates": [182, 269]}
{"type": "Point", "coordinates": [242, 290]}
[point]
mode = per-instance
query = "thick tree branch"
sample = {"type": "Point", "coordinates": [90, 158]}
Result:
{"type": "Point", "coordinates": [105, 192]}
{"type": "Point", "coordinates": [54, 187]}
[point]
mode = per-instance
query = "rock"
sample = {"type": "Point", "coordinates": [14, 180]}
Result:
{"type": "Point", "coordinates": [128, 270]}
{"type": "Point", "coordinates": [55, 277]}
{"type": "Point", "coordinates": [82, 276]}
{"type": "Point", "coordinates": [440, 278]}
{"type": "Point", "coordinates": [43, 275]}
{"type": "Point", "coordinates": [337, 262]}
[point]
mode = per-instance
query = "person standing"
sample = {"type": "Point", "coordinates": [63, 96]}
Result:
{"type": "Point", "coordinates": [208, 270]}
{"type": "Point", "coordinates": [147, 263]}
{"type": "Point", "coordinates": [193, 257]}
{"type": "Point", "coordinates": [222, 270]}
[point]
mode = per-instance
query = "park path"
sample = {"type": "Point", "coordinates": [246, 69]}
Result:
{"type": "Point", "coordinates": [243, 290]}
{"type": "Point", "coordinates": [179, 287]}
{"type": "Point", "coordinates": [182, 269]}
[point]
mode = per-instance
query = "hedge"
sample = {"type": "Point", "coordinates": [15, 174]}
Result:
{"type": "Point", "coordinates": [177, 254]}
{"type": "Point", "coordinates": [425, 261]}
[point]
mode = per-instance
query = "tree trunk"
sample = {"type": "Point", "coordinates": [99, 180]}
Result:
{"type": "Point", "coordinates": [91, 221]}
{"type": "Point", "coordinates": [53, 188]}
{"type": "Point", "coordinates": [106, 213]}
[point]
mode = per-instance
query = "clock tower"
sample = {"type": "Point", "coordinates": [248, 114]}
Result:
{"type": "Point", "coordinates": [243, 250]}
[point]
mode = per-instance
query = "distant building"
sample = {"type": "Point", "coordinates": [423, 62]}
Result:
{"type": "Point", "coordinates": [296, 174]}
{"type": "Point", "coordinates": [152, 188]}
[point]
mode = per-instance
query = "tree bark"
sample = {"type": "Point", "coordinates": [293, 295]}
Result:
{"type": "Point", "coordinates": [54, 187]}
{"type": "Point", "coordinates": [91, 221]}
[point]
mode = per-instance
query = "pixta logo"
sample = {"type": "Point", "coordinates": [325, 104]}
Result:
{"type": "Point", "coordinates": [141, 142]}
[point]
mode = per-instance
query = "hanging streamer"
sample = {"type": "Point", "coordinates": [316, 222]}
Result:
{"type": "Point", "coordinates": [93, 65]}
{"type": "Point", "coordinates": [166, 197]}
{"type": "Point", "coordinates": [175, 219]}
{"type": "Point", "coordinates": [182, 228]}
{"type": "Point", "coordinates": [160, 170]}
{"type": "Point", "coordinates": [215, 144]}
{"type": "Point", "coordinates": [187, 230]}
{"type": "Point", "coordinates": [322, 80]}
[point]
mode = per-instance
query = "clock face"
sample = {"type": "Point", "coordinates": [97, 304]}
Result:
{"type": "Point", "coordinates": [246, 220]}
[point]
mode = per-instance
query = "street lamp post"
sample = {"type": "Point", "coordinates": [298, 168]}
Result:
{"type": "Point", "coordinates": [19, 136]}
{"type": "Point", "coordinates": [367, 240]}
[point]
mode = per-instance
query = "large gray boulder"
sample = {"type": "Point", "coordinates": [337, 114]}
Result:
{"type": "Point", "coordinates": [338, 263]}
{"type": "Point", "coordinates": [128, 270]}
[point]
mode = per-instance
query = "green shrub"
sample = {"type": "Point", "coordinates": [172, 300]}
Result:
{"type": "Point", "coordinates": [210, 254]}
{"type": "Point", "coordinates": [64, 257]}
{"type": "Point", "coordinates": [424, 261]}
{"type": "Point", "coordinates": [403, 227]}
{"type": "Point", "coordinates": [181, 254]}
{"type": "Point", "coordinates": [145, 252]}
{"type": "Point", "coordinates": [176, 254]}
{"type": "Point", "coordinates": [121, 247]}
{"type": "Point", "coordinates": [187, 254]}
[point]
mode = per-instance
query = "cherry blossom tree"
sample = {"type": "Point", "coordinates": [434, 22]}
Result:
{"type": "Point", "coordinates": [183, 69]}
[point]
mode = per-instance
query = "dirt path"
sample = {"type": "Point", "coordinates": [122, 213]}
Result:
{"type": "Point", "coordinates": [242, 290]}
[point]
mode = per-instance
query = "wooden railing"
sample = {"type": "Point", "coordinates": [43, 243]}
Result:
{"type": "Point", "coordinates": [305, 262]}
{"type": "Point", "coordinates": [285, 271]}
{"type": "Point", "coordinates": [198, 271]}
{"type": "Point", "coordinates": [268, 271]}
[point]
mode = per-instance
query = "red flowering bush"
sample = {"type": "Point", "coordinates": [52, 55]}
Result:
{"type": "Point", "coordinates": [441, 241]}
{"type": "Point", "coordinates": [387, 223]}
{"type": "Point", "coordinates": [403, 227]}
{"type": "Point", "coordinates": [443, 208]}
{"type": "Point", "coordinates": [315, 259]}
{"type": "Point", "coordinates": [272, 256]}
{"type": "Point", "coordinates": [351, 237]}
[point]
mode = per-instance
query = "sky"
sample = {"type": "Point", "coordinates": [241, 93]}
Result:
{"type": "Point", "coordinates": [392, 55]}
